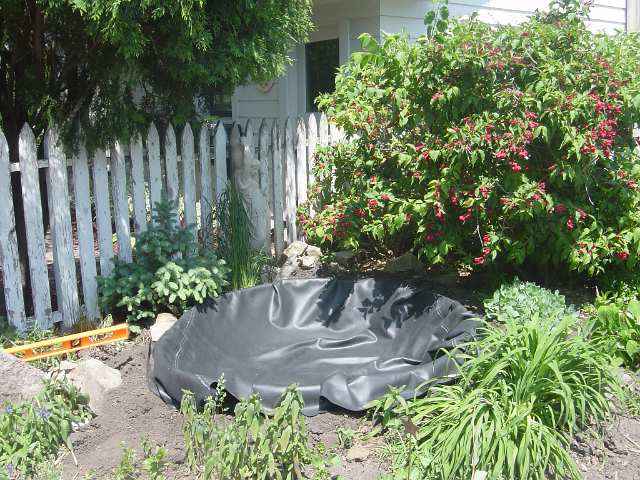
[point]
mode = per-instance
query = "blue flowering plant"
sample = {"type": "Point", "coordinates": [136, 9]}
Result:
{"type": "Point", "coordinates": [32, 432]}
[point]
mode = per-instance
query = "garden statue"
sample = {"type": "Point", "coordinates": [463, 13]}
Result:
{"type": "Point", "coordinates": [246, 175]}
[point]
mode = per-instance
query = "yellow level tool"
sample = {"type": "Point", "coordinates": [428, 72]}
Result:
{"type": "Point", "coordinates": [70, 343]}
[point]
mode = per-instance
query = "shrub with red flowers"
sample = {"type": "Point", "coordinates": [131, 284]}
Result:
{"type": "Point", "coordinates": [509, 144]}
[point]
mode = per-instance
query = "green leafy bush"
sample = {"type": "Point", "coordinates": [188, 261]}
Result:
{"type": "Point", "coordinates": [521, 301]}
{"type": "Point", "coordinates": [617, 331]}
{"type": "Point", "coordinates": [167, 273]}
{"type": "Point", "coordinates": [531, 386]}
{"type": "Point", "coordinates": [31, 432]}
{"type": "Point", "coordinates": [254, 445]}
{"type": "Point", "coordinates": [480, 143]}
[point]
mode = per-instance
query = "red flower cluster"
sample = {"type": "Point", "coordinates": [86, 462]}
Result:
{"type": "Point", "coordinates": [465, 216]}
{"type": "Point", "coordinates": [359, 212]}
{"type": "Point", "coordinates": [437, 96]}
{"type": "Point", "coordinates": [432, 233]}
{"type": "Point", "coordinates": [373, 203]}
{"type": "Point", "coordinates": [623, 255]}
{"type": "Point", "coordinates": [384, 197]}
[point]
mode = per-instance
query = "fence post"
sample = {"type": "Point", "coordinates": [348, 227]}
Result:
{"type": "Point", "coordinates": [206, 196]}
{"type": "Point", "coordinates": [290, 181]}
{"type": "Point", "coordinates": [323, 131]}
{"type": "Point", "coordinates": [171, 165]}
{"type": "Point", "coordinates": [103, 211]}
{"type": "Point", "coordinates": [277, 191]}
{"type": "Point", "coordinates": [155, 168]}
{"type": "Point", "coordinates": [120, 201]}
{"type": "Point", "coordinates": [84, 226]}
{"type": "Point", "coordinates": [189, 177]}
{"type": "Point", "coordinates": [9, 257]}
{"type": "Point", "coordinates": [220, 160]}
{"type": "Point", "coordinates": [34, 228]}
{"type": "Point", "coordinates": [61, 231]}
{"type": "Point", "coordinates": [138, 184]}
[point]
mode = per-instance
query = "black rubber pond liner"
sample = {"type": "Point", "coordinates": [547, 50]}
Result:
{"type": "Point", "coordinates": [344, 341]}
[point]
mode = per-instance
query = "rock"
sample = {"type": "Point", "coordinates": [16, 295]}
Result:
{"type": "Point", "coordinates": [18, 380]}
{"type": "Point", "coordinates": [307, 263]}
{"type": "Point", "coordinates": [313, 251]}
{"type": "Point", "coordinates": [164, 321]}
{"type": "Point", "coordinates": [404, 263]}
{"type": "Point", "coordinates": [94, 379]}
{"type": "Point", "coordinates": [293, 251]}
{"type": "Point", "coordinates": [344, 258]}
{"type": "Point", "coordinates": [358, 453]}
{"type": "Point", "coordinates": [287, 271]}
{"type": "Point", "coordinates": [67, 365]}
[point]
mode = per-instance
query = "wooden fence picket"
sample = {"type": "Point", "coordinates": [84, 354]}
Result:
{"type": "Point", "coordinates": [38, 272]}
{"type": "Point", "coordinates": [266, 152]}
{"type": "Point", "coordinates": [120, 201]}
{"type": "Point", "coordinates": [61, 232]}
{"type": "Point", "coordinates": [84, 226]}
{"type": "Point", "coordinates": [103, 211]}
{"type": "Point", "coordinates": [301, 167]}
{"type": "Point", "coordinates": [277, 191]}
{"type": "Point", "coordinates": [171, 165]}
{"type": "Point", "coordinates": [220, 165]}
{"type": "Point", "coordinates": [312, 145]}
{"type": "Point", "coordinates": [155, 168]}
{"type": "Point", "coordinates": [138, 186]}
{"type": "Point", "coordinates": [9, 256]}
{"type": "Point", "coordinates": [323, 131]}
{"type": "Point", "coordinates": [206, 194]}
{"type": "Point", "coordinates": [290, 181]}
{"type": "Point", "coordinates": [235, 148]}
{"type": "Point", "coordinates": [188, 176]}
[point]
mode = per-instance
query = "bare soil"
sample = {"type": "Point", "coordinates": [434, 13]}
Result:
{"type": "Point", "coordinates": [132, 412]}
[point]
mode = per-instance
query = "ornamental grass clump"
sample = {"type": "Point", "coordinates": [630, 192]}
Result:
{"type": "Point", "coordinates": [531, 386]}
{"type": "Point", "coordinates": [480, 144]}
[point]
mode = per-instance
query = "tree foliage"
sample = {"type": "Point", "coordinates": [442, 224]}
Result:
{"type": "Point", "coordinates": [110, 65]}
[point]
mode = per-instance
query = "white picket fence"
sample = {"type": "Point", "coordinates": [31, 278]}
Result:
{"type": "Point", "coordinates": [118, 185]}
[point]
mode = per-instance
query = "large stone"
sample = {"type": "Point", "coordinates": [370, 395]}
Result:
{"type": "Point", "coordinates": [18, 380]}
{"type": "Point", "coordinates": [94, 379]}
{"type": "Point", "coordinates": [164, 321]}
{"type": "Point", "coordinates": [293, 251]}
{"type": "Point", "coordinates": [345, 258]}
{"type": "Point", "coordinates": [358, 453]}
{"type": "Point", "coordinates": [405, 263]}
{"type": "Point", "coordinates": [307, 263]}
{"type": "Point", "coordinates": [313, 251]}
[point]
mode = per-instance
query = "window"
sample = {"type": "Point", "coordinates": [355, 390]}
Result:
{"type": "Point", "coordinates": [220, 105]}
{"type": "Point", "coordinates": [322, 61]}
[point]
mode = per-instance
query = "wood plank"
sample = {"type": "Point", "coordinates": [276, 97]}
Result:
{"type": "Point", "coordinates": [312, 146]}
{"type": "Point", "coordinates": [207, 200]}
{"type": "Point", "coordinates": [290, 181]}
{"type": "Point", "coordinates": [61, 231]}
{"type": "Point", "coordinates": [9, 256]}
{"type": "Point", "coordinates": [220, 160]}
{"type": "Point", "coordinates": [34, 228]}
{"type": "Point", "coordinates": [138, 186]}
{"type": "Point", "coordinates": [120, 202]}
{"type": "Point", "coordinates": [277, 191]}
{"type": "Point", "coordinates": [302, 173]}
{"type": "Point", "coordinates": [189, 176]}
{"type": "Point", "coordinates": [323, 131]}
{"type": "Point", "coordinates": [103, 211]}
{"type": "Point", "coordinates": [155, 168]}
{"type": "Point", "coordinates": [265, 154]}
{"type": "Point", "coordinates": [84, 226]}
{"type": "Point", "coordinates": [171, 165]}
{"type": "Point", "coordinates": [235, 148]}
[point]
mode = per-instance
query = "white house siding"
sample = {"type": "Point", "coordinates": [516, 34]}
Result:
{"type": "Point", "coordinates": [345, 20]}
{"type": "Point", "coordinates": [408, 15]}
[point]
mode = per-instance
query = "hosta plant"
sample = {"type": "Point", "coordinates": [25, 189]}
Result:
{"type": "Point", "coordinates": [526, 389]}
{"type": "Point", "coordinates": [617, 331]}
{"type": "Point", "coordinates": [168, 272]}
{"type": "Point", "coordinates": [522, 301]}
{"type": "Point", "coordinates": [480, 144]}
